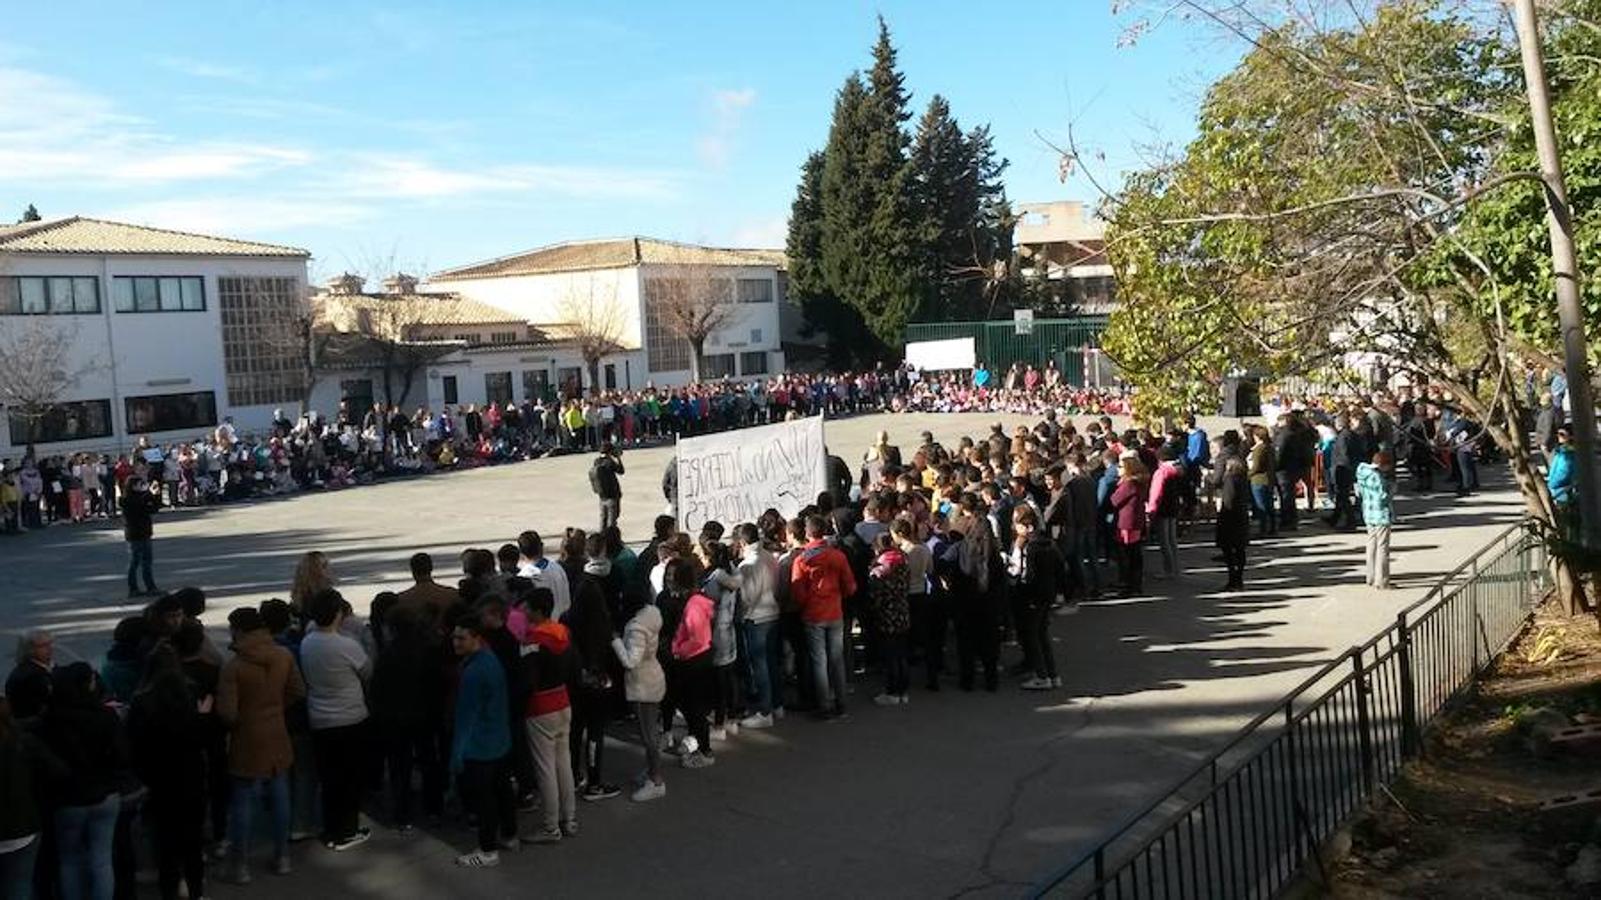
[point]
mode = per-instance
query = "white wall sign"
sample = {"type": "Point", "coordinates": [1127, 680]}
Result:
{"type": "Point", "coordinates": [735, 476]}
{"type": "Point", "coordinates": [931, 356]}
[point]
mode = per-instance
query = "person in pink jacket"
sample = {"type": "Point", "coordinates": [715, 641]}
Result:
{"type": "Point", "coordinates": [1162, 508]}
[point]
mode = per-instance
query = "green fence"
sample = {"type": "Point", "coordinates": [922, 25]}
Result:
{"type": "Point", "coordinates": [998, 345]}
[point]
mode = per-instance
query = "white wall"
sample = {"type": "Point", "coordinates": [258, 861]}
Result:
{"type": "Point", "coordinates": [142, 354]}
{"type": "Point", "coordinates": [539, 298]}
{"type": "Point", "coordinates": [755, 326]}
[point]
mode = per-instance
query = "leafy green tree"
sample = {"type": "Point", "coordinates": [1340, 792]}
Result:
{"type": "Point", "coordinates": [31, 214]}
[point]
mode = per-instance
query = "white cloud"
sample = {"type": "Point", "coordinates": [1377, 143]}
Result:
{"type": "Point", "coordinates": [53, 131]}
{"type": "Point", "coordinates": [765, 233]}
{"type": "Point", "coordinates": [199, 68]}
{"type": "Point", "coordinates": [240, 214]}
{"type": "Point", "coordinates": [716, 146]}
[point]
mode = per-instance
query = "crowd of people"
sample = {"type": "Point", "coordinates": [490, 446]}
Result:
{"type": "Point", "coordinates": [498, 695]}
{"type": "Point", "coordinates": [360, 445]}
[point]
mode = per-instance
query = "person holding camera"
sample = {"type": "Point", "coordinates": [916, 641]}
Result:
{"type": "Point", "coordinates": [138, 512]}
{"type": "Point", "coordinates": [603, 480]}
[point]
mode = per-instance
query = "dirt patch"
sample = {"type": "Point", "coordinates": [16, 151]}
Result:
{"type": "Point", "coordinates": [1465, 820]}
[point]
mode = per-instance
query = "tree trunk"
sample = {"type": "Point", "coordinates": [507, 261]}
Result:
{"type": "Point", "coordinates": [594, 372]}
{"type": "Point", "coordinates": [696, 350]}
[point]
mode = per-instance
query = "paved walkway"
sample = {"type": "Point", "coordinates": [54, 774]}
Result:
{"type": "Point", "coordinates": [956, 794]}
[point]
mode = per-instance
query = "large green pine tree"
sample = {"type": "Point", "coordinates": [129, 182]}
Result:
{"type": "Point", "coordinates": [884, 229]}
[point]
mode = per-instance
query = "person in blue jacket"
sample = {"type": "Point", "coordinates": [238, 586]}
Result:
{"type": "Point", "coordinates": [1559, 478]}
{"type": "Point", "coordinates": [481, 744]}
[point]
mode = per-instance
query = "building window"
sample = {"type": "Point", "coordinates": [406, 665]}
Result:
{"type": "Point", "coordinates": [140, 293]}
{"type": "Point", "coordinates": [497, 387]}
{"type": "Point", "coordinates": [755, 335]}
{"type": "Point", "coordinates": [664, 350]}
{"type": "Point", "coordinates": [449, 387]}
{"type": "Point", "coordinates": [55, 295]}
{"type": "Point", "coordinates": [716, 365]}
{"type": "Point", "coordinates": [171, 412]}
{"type": "Point", "coordinates": [504, 337]}
{"type": "Point", "coordinates": [755, 290]}
{"type": "Point", "coordinates": [753, 363]}
{"type": "Point", "coordinates": [468, 338]}
{"type": "Point", "coordinates": [263, 340]}
{"type": "Point", "coordinates": [74, 421]}
{"type": "Point", "coordinates": [536, 384]}
{"type": "Point", "coordinates": [611, 376]}
{"type": "Point", "coordinates": [571, 379]}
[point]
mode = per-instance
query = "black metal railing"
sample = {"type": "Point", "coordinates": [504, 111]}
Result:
{"type": "Point", "coordinates": [1253, 814]}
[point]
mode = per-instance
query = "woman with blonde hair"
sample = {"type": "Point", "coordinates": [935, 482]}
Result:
{"type": "Point", "coordinates": [312, 574]}
{"type": "Point", "coordinates": [1127, 505]}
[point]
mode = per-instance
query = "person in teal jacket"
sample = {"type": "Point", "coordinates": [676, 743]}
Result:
{"type": "Point", "coordinates": [481, 744]}
{"type": "Point", "coordinates": [1559, 479]}
{"type": "Point", "coordinates": [1376, 482]}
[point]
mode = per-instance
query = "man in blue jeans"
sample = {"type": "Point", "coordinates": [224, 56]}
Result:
{"type": "Point", "coordinates": [819, 584]}
{"type": "Point", "coordinates": [758, 627]}
{"type": "Point", "coordinates": [138, 512]}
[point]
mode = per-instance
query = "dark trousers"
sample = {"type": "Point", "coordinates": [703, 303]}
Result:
{"type": "Point", "coordinates": [520, 762]}
{"type": "Point", "coordinates": [1344, 512]}
{"type": "Point", "coordinates": [141, 557]}
{"type": "Point", "coordinates": [726, 702]}
{"type": "Point", "coordinates": [1234, 559]}
{"type": "Point", "coordinates": [1019, 614]}
{"type": "Point", "coordinates": [1035, 636]}
{"type": "Point", "coordinates": [977, 641]}
{"type": "Point", "coordinates": [610, 509]}
{"type": "Point", "coordinates": [406, 749]}
{"type": "Point", "coordinates": [928, 630]}
{"type": "Point", "coordinates": [486, 787]}
{"type": "Point", "coordinates": [587, 740]}
{"type": "Point", "coordinates": [794, 632]}
{"type": "Point", "coordinates": [897, 675]}
{"type": "Point", "coordinates": [1131, 567]}
{"type": "Point", "coordinates": [176, 815]}
{"type": "Point", "coordinates": [698, 682]}
{"type": "Point", "coordinates": [1286, 482]}
{"type": "Point", "coordinates": [342, 768]}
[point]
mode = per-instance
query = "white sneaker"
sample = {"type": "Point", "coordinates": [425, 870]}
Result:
{"type": "Point", "coordinates": [719, 733]}
{"type": "Point", "coordinates": [1037, 684]}
{"type": "Point", "coordinates": [756, 720]}
{"type": "Point", "coordinates": [732, 727]}
{"type": "Point", "coordinates": [479, 859]}
{"type": "Point", "coordinates": [778, 713]}
{"type": "Point", "coordinates": [650, 790]}
{"type": "Point", "coordinates": [887, 700]}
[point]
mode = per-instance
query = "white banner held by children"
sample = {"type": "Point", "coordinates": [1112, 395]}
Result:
{"type": "Point", "coordinates": [934, 356]}
{"type": "Point", "coordinates": [735, 476]}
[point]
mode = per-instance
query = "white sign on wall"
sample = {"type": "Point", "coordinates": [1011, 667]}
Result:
{"type": "Point", "coordinates": [735, 476]}
{"type": "Point", "coordinates": [1023, 321]}
{"type": "Point", "coordinates": [933, 356]}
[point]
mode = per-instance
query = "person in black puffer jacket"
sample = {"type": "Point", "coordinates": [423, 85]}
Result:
{"type": "Point", "coordinates": [168, 739]}
{"type": "Point", "coordinates": [88, 738]}
{"type": "Point", "coordinates": [408, 703]}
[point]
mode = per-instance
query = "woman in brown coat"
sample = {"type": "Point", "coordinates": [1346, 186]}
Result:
{"type": "Point", "coordinates": [256, 688]}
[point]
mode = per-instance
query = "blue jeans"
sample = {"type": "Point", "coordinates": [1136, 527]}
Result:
{"type": "Point", "coordinates": [1262, 508]}
{"type": "Point", "coordinates": [764, 660]}
{"type": "Point", "coordinates": [141, 557]}
{"type": "Point", "coordinates": [16, 871]}
{"type": "Point", "coordinates": [245, 799]}
{"type": "Point", "coordinates": [825, 645]}
{"type": "Point", "coordinates": [83, 845]}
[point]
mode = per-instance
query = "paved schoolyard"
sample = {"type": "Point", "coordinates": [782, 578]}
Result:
{"type": "Point", "coordinates": [954, 794]}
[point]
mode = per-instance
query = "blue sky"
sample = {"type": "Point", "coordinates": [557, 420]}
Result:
{"type": "Point", "coordinates": [434, 135]}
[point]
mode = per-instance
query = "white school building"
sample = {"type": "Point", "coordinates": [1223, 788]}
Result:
{"type": "Point", "coordinates": [152, 333]}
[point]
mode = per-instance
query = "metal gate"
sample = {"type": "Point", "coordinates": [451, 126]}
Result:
{"type": "Point", "coordinates": [998, 345]}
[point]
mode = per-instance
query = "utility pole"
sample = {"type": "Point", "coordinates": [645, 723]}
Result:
{"type": "Point", "coordinates": [1565, 267]}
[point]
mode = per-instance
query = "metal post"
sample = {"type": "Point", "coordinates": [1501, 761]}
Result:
{"type": "Point", "coordinates": [1565, 270]}
{"type": "Point", "coordinates": [1363, 721]}
{"type": "Point", "coordinates": [1100, 872]}
{"type": "Point", "coordinates": [1409, 695]}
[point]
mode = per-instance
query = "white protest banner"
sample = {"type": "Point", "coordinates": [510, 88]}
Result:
{"type": "Point", "coordinates": [930, 356]}
{"type": "Point", "coordinates": [735, 476]}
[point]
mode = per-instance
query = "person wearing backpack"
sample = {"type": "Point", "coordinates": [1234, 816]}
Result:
{"type": "Point", "coordinates": [603, 481]}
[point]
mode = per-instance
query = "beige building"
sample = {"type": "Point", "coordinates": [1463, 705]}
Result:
{"type": "Point", "coordinates": [1069, 243]}
{"type": "Point", "coordinates": [627, 278]}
